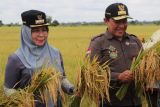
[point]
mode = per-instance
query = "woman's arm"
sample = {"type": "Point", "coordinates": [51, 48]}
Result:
{"type": "Point", "coordinates": [12, 75]}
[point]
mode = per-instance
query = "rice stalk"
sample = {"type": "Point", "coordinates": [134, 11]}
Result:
{"type": "Point", "coordinates": [146, 70]}
{"type": "Point", "coordinates": [48, 83]}
{"type": "Point", "coordinates": [18, 99]}
{"type": "Point", "coordinates": [93, 82]}
{"type": "Point", "coordinates": [123, 89]}
{"type": "Point", "coordinates": [44, 83]}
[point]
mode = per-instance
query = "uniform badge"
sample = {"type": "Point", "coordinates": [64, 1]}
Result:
{"type": "Point", "coordinates": [127, 43]}
{"type": "Point", "coordinates": [113, 52]}
{"type": "Point", "coordinates": [88, 51]}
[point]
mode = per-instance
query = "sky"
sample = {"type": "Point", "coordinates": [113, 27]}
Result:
{"type": "Point", "coordinates": [77, 10]}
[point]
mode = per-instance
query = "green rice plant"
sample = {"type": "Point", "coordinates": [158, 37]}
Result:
{"type": "Point", "coordinates": [93, 82]}
{"type": "Point", "coordinates": [123, 89]}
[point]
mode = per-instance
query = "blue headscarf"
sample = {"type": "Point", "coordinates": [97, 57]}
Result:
{"type": "Point", "coordinates": [35, 57]}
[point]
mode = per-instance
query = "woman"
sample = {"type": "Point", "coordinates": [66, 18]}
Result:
{"type": "Point", "coordinates": [32, 55]}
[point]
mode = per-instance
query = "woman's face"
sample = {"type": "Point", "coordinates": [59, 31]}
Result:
{"type": "Point", "coordinates": [39, 35]}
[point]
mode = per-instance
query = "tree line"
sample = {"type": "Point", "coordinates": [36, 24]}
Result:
{"type": "Point", "coordinates": [49, 20]}
{"type": "Point", "coordinates": [56, 23]}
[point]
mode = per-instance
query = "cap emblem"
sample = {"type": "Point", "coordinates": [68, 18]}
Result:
{"type": "Point", "coordinates": [40, 19]}
{"type": "Point", "coordinates": [121, 7]}
{"type": "Point", "coordinates": [121, 10]}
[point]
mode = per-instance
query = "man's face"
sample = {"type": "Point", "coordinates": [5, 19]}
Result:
{"type": "Point", "coordinates": [39, 35]}
{"type": "Point", "coordinates": [116, 27]}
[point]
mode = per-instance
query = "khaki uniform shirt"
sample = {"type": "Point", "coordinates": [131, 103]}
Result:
{"type": "Point", "coordinates": [120, 55]}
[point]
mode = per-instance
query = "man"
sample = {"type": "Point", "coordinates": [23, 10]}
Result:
{"type": "Point", "coordinates": [119, 48]}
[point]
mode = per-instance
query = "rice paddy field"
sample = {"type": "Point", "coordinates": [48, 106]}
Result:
{"type": "Point", "coordinates": [72, 41]}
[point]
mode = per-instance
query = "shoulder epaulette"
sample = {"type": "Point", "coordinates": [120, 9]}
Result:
{"type": "Point", "coordinates": [133, 35]}
{"type": "Point", "coordinates": [95, 37]}
{"type": "Point", "coordinates": [139, 42]}
{"type": "Point", "coordinates": [142, 39]}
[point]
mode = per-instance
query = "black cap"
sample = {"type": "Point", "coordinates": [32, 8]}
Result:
{"type": "Point", "coordinates": [34, 18]}
{"type": "Point", "coordinates": [117, 11]}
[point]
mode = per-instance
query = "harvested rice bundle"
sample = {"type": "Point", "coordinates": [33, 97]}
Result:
{"type": "Point", "coordinates": [146, 72]}
{"type": "Point", "coordinates": [45, 83]}
{"type": "Point", "coordinates": [93, 82]}
{"type": "Point", "coordinates": [18, 99]}
{"type": "Point", "coordinates": [146, 69]}
{"type": "Point", "coordinates": [48, 84]}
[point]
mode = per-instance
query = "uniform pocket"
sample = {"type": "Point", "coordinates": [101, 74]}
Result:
{"type": "Point", "coordinates": [133, 51]}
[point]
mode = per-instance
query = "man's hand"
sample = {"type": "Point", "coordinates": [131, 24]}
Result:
{"type": "Point", "coordinates": [126, 76]}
